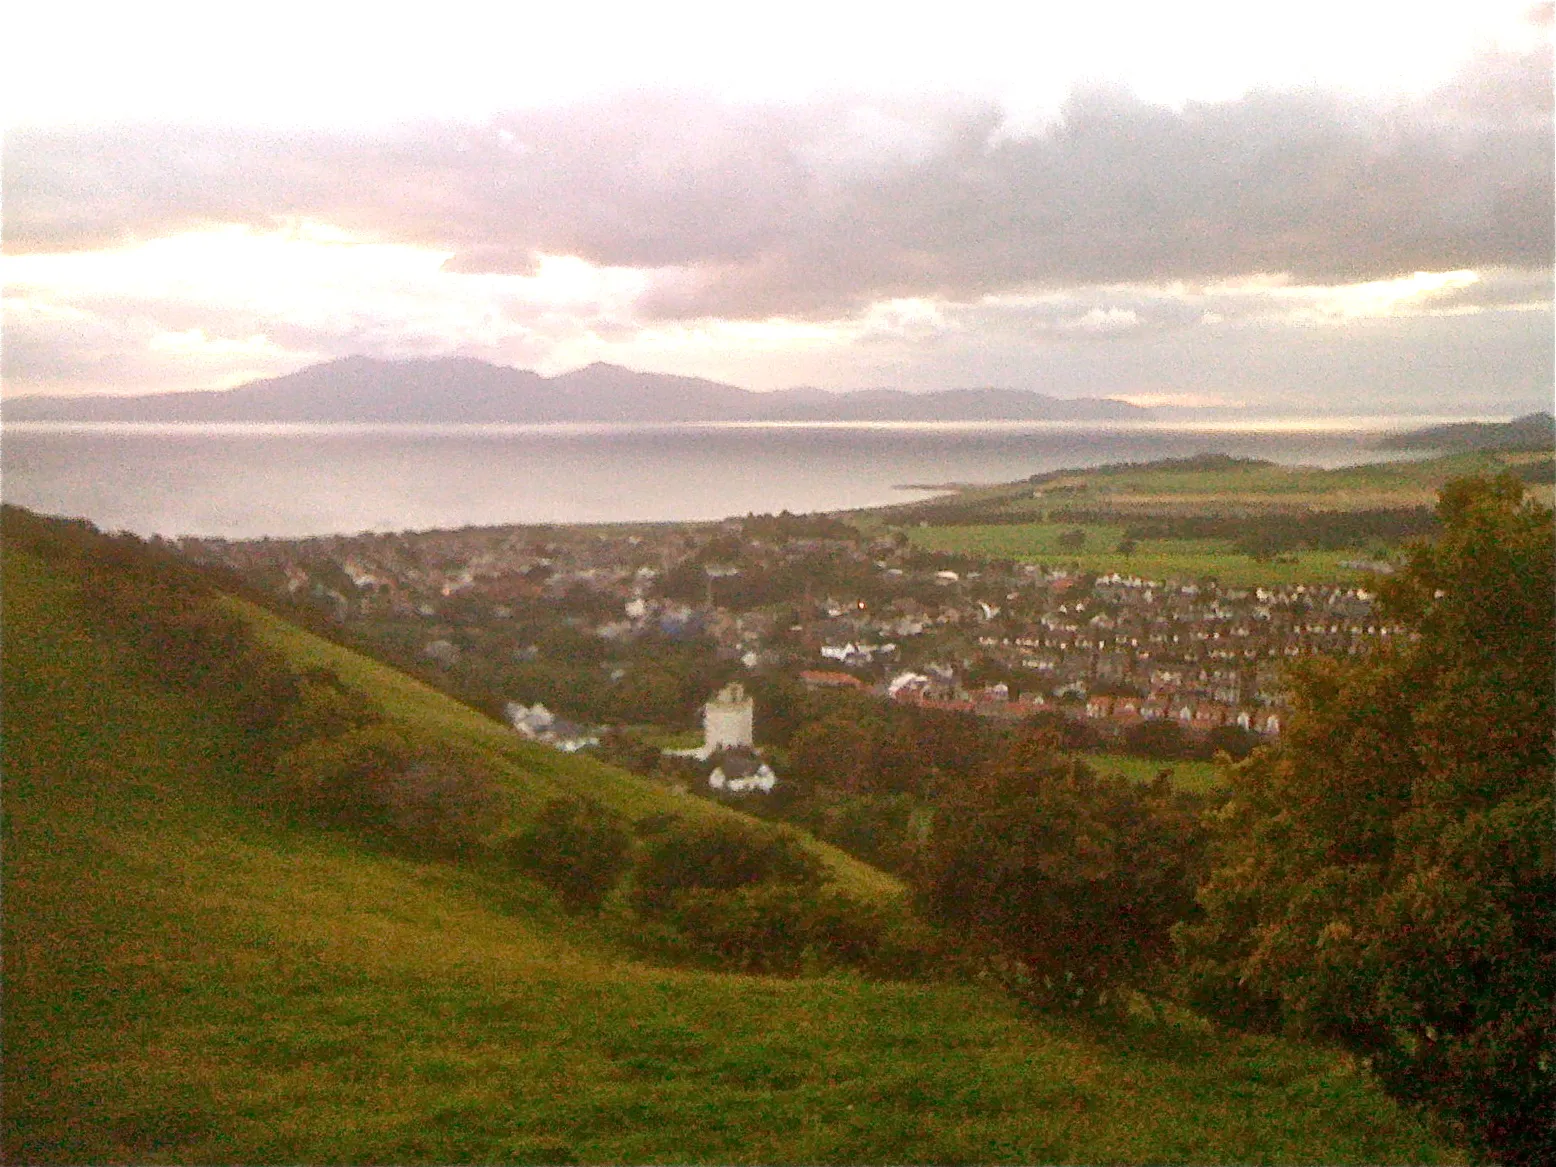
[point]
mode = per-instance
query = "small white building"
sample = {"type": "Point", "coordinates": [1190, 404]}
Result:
{"type": "Point", "coordinates": [741, 773]}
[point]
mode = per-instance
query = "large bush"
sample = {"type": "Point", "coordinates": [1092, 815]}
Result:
{"type": "Point", "coordinates": [785, 928]}
{"type": "Point", "coordinates": [1069, 879]}
{"type": "Point", "coordinates": [576, 847]}
{"type": "Point", "coordinates": [1384, 876]}
{"type": "Point", "coordinates": [719, 855]}
{"type": "Point", "coordinates": [379, 782]}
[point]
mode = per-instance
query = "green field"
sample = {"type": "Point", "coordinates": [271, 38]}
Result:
{"type": "Point", "coordinates": [1199, 777]}
{"type": "Point", "coordinates": [1180, 559]}
{"type": "Point", "coordinates": [1117, 496]}
{"type": "Point", "coordinates": [189, 981]}
{"type": "Point", "coordinates": [1265, 485]}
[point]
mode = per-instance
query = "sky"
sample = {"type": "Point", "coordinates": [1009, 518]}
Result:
{"type": "Point", "coordinates": [1337, 207]}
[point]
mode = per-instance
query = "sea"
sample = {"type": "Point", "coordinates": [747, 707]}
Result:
{"type": "Point", "coordinates": [251, 480]}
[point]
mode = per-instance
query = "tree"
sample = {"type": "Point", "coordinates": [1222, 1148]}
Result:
{"type": "Point", "coordinates": [837, 751]}
{"type": "Point", "coordinates": [1157, 737]}
{"type": "Point", "coordinates": [1071, 540]}
{"type": "Point", "coordinates": [719, 855]}
{"type": "Point", "coordinates": [379, 780]}
{"type": "Point", "coordinates": [1384, 875]}
{"type": "Point", "coordinates": [1233, 740]}
{"type": "Point", "coordinates": [577, 847]}
{"type": "Point", "coordinates": [1070, 878]}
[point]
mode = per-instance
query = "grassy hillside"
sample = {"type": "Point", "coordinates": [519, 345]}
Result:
{"type": "Point", "coordinates": [535, 772]}
{"type": "Point", "coordinates": [189, 981]}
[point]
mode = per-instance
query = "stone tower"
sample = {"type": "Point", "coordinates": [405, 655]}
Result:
{"type": "Point", "coordinates": [727, 720]}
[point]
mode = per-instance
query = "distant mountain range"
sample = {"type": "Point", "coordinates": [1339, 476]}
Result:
{"type": "Point", "coordinates": [457, 390]}
{"type": "Point", "coordinates": [1534, 431]}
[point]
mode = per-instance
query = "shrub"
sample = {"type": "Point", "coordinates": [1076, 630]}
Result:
{"type": "Point", "coordinates": [377, 781]}
{"type": "Point", "coordinates": [576, 847]}
{"type": "Point", "coordinates": [784, 928]}
{"type": "Point", "coordinates": [1070, 879]}
{"type": "Point", "coordinates": [321, 708]}
{"type": "Point", "coordinates": [876, 828]}
{"type": "Point", "coordinates": [721, 855]}
{"type": "Point", "coordinates": [1072, 540]}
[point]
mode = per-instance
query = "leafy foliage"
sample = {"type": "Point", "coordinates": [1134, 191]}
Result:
{"type": "Point", "coordinates": [577, 847]}
{"type": "Point", "coordinates": [784, 928]}
{"type": "Point", "coordinates": [378, 781]}
{"type": "Point", "coordinates": [1384, 877]}
{"type": "Point", "coordinates": [719, 855]}
{"type": "Point", "coordinates": [1073, 878]}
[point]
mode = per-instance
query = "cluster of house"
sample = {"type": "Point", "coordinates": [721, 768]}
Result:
{"type": "Point", "coordinates": [906, 628]}
{"type": "Point", "coordinates": [537, 723]}
{"type": "Point", "coordinates": [1196, 716]}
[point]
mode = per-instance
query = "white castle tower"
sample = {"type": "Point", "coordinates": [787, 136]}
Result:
{"type": "Point", "coordinates": [727, 720]}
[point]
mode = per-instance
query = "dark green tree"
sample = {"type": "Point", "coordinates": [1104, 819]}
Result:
{"type": "Point", "coordinates": [719, 855]}
{"type": "Point", "coordinates": [1384, 876]}
{"type": "Point", "coordinates": [1072, 880]}
{"type": "Point", "coordinates": [1157, 737]}
{"type": "Point", "coordinates": [575, 846]}
{"type": "Point", "coordinates": [1072, 540]}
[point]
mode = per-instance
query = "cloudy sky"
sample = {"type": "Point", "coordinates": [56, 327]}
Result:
{"type": "Point", "coordinates": [1339, 206]}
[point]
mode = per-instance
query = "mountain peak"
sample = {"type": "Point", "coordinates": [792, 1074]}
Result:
{"type": "Point", "coordinates": [455, 390]}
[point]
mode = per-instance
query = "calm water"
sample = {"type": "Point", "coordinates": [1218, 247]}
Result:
{"type": "Point", "coordinates": [251, 480]}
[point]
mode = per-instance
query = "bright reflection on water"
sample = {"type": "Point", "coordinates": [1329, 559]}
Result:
{"type": "Point", "coordinates": [250, 480]}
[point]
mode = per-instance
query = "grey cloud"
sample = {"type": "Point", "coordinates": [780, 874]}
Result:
{"type": "Point", "coordinates": [1490, 361]}
{"type": "Point", "coordinates": [84, 350]}
{"type": "Point", "coordinates": [752, 211]}
{"type": "Point", "coordinates": [108, 340]}
{"type": "Point", "coordinates": [1498, 288]}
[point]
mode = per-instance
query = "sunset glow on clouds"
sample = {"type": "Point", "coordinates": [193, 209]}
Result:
{"type": "Point", "coordinates": [1255, 218]}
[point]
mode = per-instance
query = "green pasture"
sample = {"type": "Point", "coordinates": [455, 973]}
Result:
{"type": "Point", "coordinates": [1199, 777]}
{"type": "Point", "coordinates": [1164, 559]}
{"type": "Point", "coordinates": [1374, 484]}
{"type": "Point", "coordinates": [1237, 488]}
{"type": "Point", "coordinates": [190, 981]}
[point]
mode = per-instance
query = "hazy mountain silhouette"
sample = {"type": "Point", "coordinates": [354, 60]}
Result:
{"type": "Point", "coordinates": [1534, 431]}
{"type": "Point", "coordinates": [460, 390]}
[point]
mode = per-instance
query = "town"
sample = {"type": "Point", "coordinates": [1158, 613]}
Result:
{"type": "Point", "coordinates": [638, 625]}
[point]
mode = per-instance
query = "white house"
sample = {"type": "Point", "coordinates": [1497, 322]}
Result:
{"type": "Point", "coordinates": [539, 724]}
{"type": "Point", "coordinates": [741, 772]}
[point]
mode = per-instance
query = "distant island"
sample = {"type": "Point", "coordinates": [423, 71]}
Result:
{"type": "Point", "coordinates": [1534, 431]}
{"type": "Point", "coordinates": [464, 391]}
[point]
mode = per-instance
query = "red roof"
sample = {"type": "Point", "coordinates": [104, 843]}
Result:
{"type": "Point", "coordinates": [831, 680]}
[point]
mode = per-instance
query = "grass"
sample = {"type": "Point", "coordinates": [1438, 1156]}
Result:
{"type": "Point", "coordinates": [1189, 488]}
{"type": "Point", "coordinates": [1196, 776]}
{"type": "Point", "coordinates": [189, 981]}
{"type": "Point", "coordinates": [1181, 559]}
{"type": "Point", "coordinates": [1376, 484]}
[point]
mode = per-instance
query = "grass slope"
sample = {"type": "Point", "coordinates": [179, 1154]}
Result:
{"type": "Point", "coordinates": [188, 981]}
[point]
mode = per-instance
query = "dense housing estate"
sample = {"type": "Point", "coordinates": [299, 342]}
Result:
{"type": "Point", "coordinates": [833, 609]}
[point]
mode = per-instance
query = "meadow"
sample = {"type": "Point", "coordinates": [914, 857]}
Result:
{"type": "Point", "coordinates": [1027, 521]}
{"type": "Point", "coordinates": [1191, 774]}
{"type": "Point", "coordinates": [191, 980]}
{"type": "Point", "coordinates": [1162, 559]}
